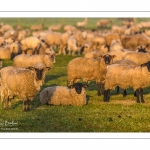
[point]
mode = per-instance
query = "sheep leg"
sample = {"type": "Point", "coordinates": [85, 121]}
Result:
{"type": "Point", "coordinates": [24, 105]}
{"type": "Point", "coordinates": [9, 103]}
{"type": "Point", "coordinates": [141, 93]}
{"type": "Point", "coordinates": [124, 93]}
{"type": "Point", "coordinates": [118, 90]}
{"type": "Point", "coordinates": [99, 86]}
{"type": "Point", "coordinates": [106, 95]}
{"type": "Point", "coordinates": [28, 105]}
{"type": "Point", "coordinates": [137, 96]}
{"type": "Point", "coordinates": [102, 86]}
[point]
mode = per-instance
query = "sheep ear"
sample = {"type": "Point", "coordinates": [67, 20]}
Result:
{"type": "Point", "coordinates": [143, 65]}
{"type": "Point", "coordinates": [71, 86]}
{"type": "Point", "coordinates": [30, 68]}
{"type": "Point", "coordinates": [113, 56]}
{"type": "Point", "coordinates": [85, 86]}
{"type": "Point", "coordinates": [48, 68]}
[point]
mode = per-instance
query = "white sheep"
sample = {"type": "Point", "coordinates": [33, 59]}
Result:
{"type": "Point", "coordinates": [72, 46]}
{"type": "Point", "coordinates": [60, 95]}
{"type": "Point", "coordinates": [125, 76]}
{"type": "Point", "coordinates": [30, 43]}
{"type": "Point", "coordinates": [24, 83]}
{"type": "Point", "coordinates": [26, 60]}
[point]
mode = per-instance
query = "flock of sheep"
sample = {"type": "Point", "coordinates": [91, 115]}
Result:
{"type": "Point", "coordinates": [119, 57]}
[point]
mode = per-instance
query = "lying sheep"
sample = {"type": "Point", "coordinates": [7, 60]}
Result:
{"type": "Point", "coordinates": [26, 60]}
{"type": "Point", "coordinates": [60, 95]}
{"type": "Point", "coordinates": [88, 69]}
{"type": "Point", "coordinates": [30, 45]}
{"type": "Point", "coordinates": [125, 76]}
{"type": "Point", "coordinates": [24, 83]}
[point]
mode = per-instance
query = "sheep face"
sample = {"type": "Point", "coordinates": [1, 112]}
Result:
{"type": "Point", "coordinates": [78, 87]}
{"type": "Point", "coordinates": [108, 59]}
{"type": "Point", "coordinates": [146, 65]}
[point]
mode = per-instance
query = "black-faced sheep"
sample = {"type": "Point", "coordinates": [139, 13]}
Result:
{"type": "Point", "coordinates": [125, 76]}
{"type": "Point", "coordinates": [60, 95]}
{"type": "Point", "coordinates": [24, 83]}
{"type": "Point", "coordinates": [88, 69]}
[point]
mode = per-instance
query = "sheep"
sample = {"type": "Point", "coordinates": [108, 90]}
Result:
{"type": "Point", "coordinates": [24, 83]}
{"type": "Point", "coordinates": [2, 40]}
{"type": "Point", "coordinates": [88, 69]}
{"type": "Point", "coordinates": [26, 60]}
{"type": "Point", "coordinates": [98, 41]}
{"type": "Point", "coordinates": [52, 39]}
{"type": "Point", "coordinates": [139, 58]}
{"type": "Point", "coordinates": [9, 52]}
{"type": "Point", "coordinates": [74, 95]}
{"type": "Point", "coordinates": [30, 43]}
{"type": "Point", "coordinates": [124, 62]}
{"type": "Point", "coordinates": [63, 41]}
{"type": "Point", "coordinates": [103, 22]}
{"type": "Point", "coordinates": [131, 42]}
{"type": "Point", "coordinates": [37, 27]}
{"type": "Point", "coordinates": [55, 27]}
{"type": "Point", "coordinates": [72, 46]}
{"type": "Point", "coordinates": [82, 24]}
{"type": "Point", "coordinates": [127, 76]}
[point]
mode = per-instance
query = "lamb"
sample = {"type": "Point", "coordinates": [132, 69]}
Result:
{"type": "Point", "coordinates": [137, 77]}
{"type": "Point", "coordinates": [88, 69]}
{"type": "Point", "coordinates": [24, 83]}
{"type": "Point", "coordinates": [74, 95]}
{"type": "Point", "coordinates": [26, 60]}
{"type": "Point", "coordinates": [30, 43]}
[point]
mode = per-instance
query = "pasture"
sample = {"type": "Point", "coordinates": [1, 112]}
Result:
{"type": "Point", "coordinates": [121, 114]}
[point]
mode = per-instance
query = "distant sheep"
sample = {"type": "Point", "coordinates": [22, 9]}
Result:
{"type": "Point", "coordinates": [37, 27]}
{"type": "Point", "coordinates": [74, 95]}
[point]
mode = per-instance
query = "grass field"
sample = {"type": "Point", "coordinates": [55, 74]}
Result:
{"type": "Point", "coordinates": [121, 114]}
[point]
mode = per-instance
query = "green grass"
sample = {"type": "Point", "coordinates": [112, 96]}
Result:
{"type": "Point", "coordinates": [119, 115]}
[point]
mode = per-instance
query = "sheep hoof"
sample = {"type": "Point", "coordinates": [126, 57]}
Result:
{"type": "Point", "coordinates": [143, 101]}
{"type": "Point", "coordinates": [99, 94]}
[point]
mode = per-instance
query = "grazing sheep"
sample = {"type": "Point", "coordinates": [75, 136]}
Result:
{"type": "Point", "coordinates": [88, 69]}
{"type": "Point", "coordinates": [26, 60]}
{"type": "Point", "coordinates": [37, 27]}
{"type": "Point", "coordinates": [98, 41]}
{"type": "Point", "coordinates": [125, 76]}
{"type": "Point", "coordinates": [82, 24]}
{"type": "Point", "coordinates": [24, 83]}
{"type": "Point", "coordinates": [30, 43]}
{"type": "Point", "coordinates": [55, 27]}
{"type": "Point", "coordinates": [60, 95]}
{"type": "Point", "coordinates": [103, 22]}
